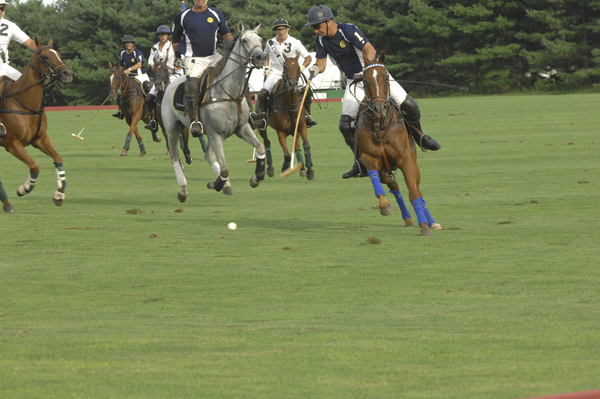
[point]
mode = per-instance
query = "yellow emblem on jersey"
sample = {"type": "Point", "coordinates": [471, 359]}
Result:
{"type": "Point", "coordinates": [133, 60]}
{"type": "Point", "coordinates": [342, 44]}
{"type": "Point", "coordinates": [210, 20]}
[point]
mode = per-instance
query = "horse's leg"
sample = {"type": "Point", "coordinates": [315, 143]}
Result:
{"type": "Point", "coordinates": [4, 198]}
{"type": "Point", "coordinates": [298, 154]}
{"type": "Point", "coordinates": [310, 173]}
{"type": "Point", "coordinates": [16, 148]}
{"type": "Point", "coordinates": [269, 156]}
{"type": "Point", "coordinates": [184, 138]}
{"type": "Point", "coordinates": [173, 132]}
{"type": "Point", "coordinates": [371, 157]}
{"type": "Point", "coordinates": [139, 139]}
{"type": "Point", "coordinates": [45, 145]}
{"type": "Point", "coordinates": [129, 133]}
{"type": "Point", "coordinates": [247, 134]}
{"type": "Point", "coordinates": [430, 221]}
{"type": "Point", "coordinates": [414, 194]}
{"type": "Point", "coordinates": [287, 158]}
{"type": "Point", "coordinates": [395, 190]}
{"type": "Point", "coordinates": [215, 156]}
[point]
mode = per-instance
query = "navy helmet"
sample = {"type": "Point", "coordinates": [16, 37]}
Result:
{"type": "Point", "coordinates": [163, 29]}
{"type": "Point", "coordinates": [280, 22]}
{"type": "Point", "coordinates": [128, 39]}
{"type": "Point", "coordinates": [318, 14]}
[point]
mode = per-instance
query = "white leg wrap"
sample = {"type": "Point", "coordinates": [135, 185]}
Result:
{"type": "Point", "coordinates": [58, 195]}
{"type": "Point", "coordinates": [60, 178]}
{"type": "Point", "coordinates": [216, 168]}
{"type": "Point", "coordinates": [181, 180]}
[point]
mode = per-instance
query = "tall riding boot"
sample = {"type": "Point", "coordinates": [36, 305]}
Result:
{"type": "Point", "coordinates": [192, 97]}
{"type": "Point", "coordinates": [412, 114]}
{"type": "Point", "coordinates": [263, 104]}
{"type": "Point", "coordinates": [309, 119]}
{"type": "Point", "coordinates": [118, 114]}
{"type": "Point", "coordinates": [348, 131]}
{"type": "Point", "coordinates": [150, 107]}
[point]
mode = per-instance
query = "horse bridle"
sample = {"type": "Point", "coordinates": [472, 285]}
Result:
{"type": "Point", "coordinates": [371, 101]}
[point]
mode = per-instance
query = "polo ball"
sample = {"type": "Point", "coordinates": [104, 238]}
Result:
{"type": "Point", "coordinates": [232, 226]}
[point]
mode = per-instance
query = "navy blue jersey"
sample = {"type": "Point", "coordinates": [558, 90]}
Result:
{"type": "Point", "coordinates": [344, 48]}
{"type": "Point", "coordinates": [129, 60]}
{"type": "Point", "coordinates": [197, 31]}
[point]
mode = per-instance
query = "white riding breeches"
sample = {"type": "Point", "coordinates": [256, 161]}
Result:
{"type": "Point", "coordinates": [195, 66]}
{"type": "Point", "coordinates": [9, 71]}
{"type": "Point", "coordinates": [141, 77]}
{"type": "Point", "coordinates": [355, 93]}
{"type": "Point", "coordinates": [273, 78]}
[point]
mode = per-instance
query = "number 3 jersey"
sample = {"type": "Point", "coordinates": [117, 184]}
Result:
{"type": "Point", "coordinates": [290, 47]}
{"type": "Point", "coordinates": [9, 31]}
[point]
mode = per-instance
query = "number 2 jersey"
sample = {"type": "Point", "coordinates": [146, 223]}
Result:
{"type": "Point", "coordinates": [344, 48]}
{"type": "Point", "coordinates": [9, 31]}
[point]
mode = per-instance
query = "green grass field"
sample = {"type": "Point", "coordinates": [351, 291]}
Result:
{"type": "Point", "coordinates": [123, 292]}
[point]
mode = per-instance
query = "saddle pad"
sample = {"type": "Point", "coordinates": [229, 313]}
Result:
{"type": "Point", "coordinates": [179, 98]}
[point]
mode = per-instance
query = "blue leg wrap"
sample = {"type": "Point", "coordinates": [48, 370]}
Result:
{"type": "Point", "coordinates": [400, 200]}
{"type": "Point", "coordinates": [127, 142]}
{"type": "Point", "coordinates": [376, 183]}
{"type": "Point", "coordinates": [60, 176]}
{"type": "Point", "coordinates": [269, 156]}
{"type": "Point", "coordinates": [418, 207]}
{"type": "Point", "coordinates": [430, 220]}
{"type": "Point", "coordinates": [3, 195]}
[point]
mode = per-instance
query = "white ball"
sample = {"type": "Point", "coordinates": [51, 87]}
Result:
{"type": "Point", "coordinates": [232, 226]}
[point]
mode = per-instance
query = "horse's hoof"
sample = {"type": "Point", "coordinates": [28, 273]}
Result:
{"type": "Point", "coordinates": [302, 172]}
{"type": "Point", "coordinates": [124, 153]}
{"type": "Point", "coordinates": [8, 208]}
{"type": "Point", "coordinates": [254, 182]}
{"type": "Point", "coordinates": [408, 222]}
{"type": "Point", "coordinates": [142, 154]}
{"type": "Point", "coordinates": [270, 171]}
{"type": "Point", "coordinates": [158, 139]}
{"type": "Point", "coordinates": [210, 185]}
{"type": "Point", "coordinates": [310, 174]}
{"type": "Point", "coordinates": [188, 159]}
{"type": "Point", "coordinates": [425, 230]}
{"type": "Point", "coordinates": [386, 210]}
{"type": "Point", "coordinates": [227, 190]}
{"type": "Point", "coordinates": [21, 190]}
{"type": "Point", "coordinates": [58, 198]}
{"type": "Point", "coordinates": [168, 153]}
{"type": "Point", "coordinates": [182, 194]}
{"type": "Point", "coordinates": [436, 226]}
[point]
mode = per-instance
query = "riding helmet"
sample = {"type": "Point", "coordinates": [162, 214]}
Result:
{"type": "Point", "coordinates": [318, 14]}
{"type": "Point", "coordinates": [128, 39]}
{"type": "Point", "coordinates": [280, 22]}
{"type": "Point", "coordinates": [163, 29]}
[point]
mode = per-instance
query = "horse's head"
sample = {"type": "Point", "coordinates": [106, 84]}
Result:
{"type": "Point", "coordinates": [116, 79]}
{"type": "Point", "coordinates": [291, 72]}
{"type": "Point", "coordinates": [377, 85]}
{"type": "Point", "coordinates": [47, 63]}
{"type": "Point", "coordinates": [251, 43]}
{"type": "Point", "coordinates": [161, 75]}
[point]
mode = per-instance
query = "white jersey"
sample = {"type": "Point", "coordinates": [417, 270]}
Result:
{"type": "Point", "coordinates": [167, 54]}
{"type": "Point", "coordinates": [291, 47]}
{"type": "Point", "coordinates": [9, 31]}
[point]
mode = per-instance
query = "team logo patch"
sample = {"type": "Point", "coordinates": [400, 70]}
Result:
{"type": "Point", "coordinates": [133, 60]}
{"type": "Point", "coordinates": [342, 44]}
{"type": "Point", "coordinates": [210, 20]}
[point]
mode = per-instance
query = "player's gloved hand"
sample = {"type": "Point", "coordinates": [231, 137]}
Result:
{"type": "Point", "coordinates": [313, 71]}
{"type": "Point", "coordinates": [178, 63]}
{"type": "Point", "coordinates": [358, 77]}
{"type": "Point", "coordinates": [267, 71]}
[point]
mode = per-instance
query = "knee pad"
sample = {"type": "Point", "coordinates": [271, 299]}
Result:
{"type": "Point", "coordinates": [263, 99]}
{"type": "Point", "coordinates": [347, 130]}
{"type": "Point", "coordinates": [410, 109]}
{"type": "Point", "coordinates": [147, 86]}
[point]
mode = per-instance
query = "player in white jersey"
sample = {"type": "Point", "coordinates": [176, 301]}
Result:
{"type": "Point", "coordinates": [10, 31]}
{"type": "Point", "coordinates": [162, 51]}
{"type": "Point", "coordinates": [282, 44]}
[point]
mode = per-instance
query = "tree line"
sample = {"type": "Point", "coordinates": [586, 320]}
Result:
{"type": "Point", "coordinates": [432, 46]}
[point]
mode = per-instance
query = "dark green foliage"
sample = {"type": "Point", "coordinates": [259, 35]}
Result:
{"type": "Point", "coordinates": [488, 46]}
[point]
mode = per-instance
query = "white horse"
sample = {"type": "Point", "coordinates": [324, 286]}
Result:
{"type": "Point", "coordinates": [223, 113]}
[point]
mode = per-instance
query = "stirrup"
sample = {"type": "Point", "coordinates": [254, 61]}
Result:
{"type": "Point", "coordinates": [2, 130]}
{"type": "Point", "coordinates": [196, 128]}
{"type": "Point", "coordinates": [310, 122]}
{"type": "Point", "coordinates": [152, 125]}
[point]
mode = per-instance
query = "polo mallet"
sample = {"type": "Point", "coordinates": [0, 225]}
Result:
{"type": "Point", "coordinates": [78, 136]}
{"type": "Point", "coordinates": [253, 156]}
{"type": "Point", "coordinates": [294, 168]}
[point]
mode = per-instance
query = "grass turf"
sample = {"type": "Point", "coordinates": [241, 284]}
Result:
{"type": "Point", "coordinates": [125, 292]}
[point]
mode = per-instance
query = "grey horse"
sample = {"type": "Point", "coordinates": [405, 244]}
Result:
{"type": "Point", "coordinates": [224, 113]}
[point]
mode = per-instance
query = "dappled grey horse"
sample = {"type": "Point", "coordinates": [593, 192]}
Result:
{"type": "Point", "coordinates": [224, 112]}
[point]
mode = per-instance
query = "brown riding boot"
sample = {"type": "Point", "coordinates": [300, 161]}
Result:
{"type": "Point", "coordinates": [192, 97]}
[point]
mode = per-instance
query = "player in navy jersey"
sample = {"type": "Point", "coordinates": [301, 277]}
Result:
{"type": "Point", "coordinates": [345, 44]}
{"type": "Point", "coordinates": [132, 60]}
{"type": "Point", "coordinates": [195, 36]}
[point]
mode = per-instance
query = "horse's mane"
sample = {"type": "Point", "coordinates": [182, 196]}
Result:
{"type": "Point", "coordinates": [217, 69]}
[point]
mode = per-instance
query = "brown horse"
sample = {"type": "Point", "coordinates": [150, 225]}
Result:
{"type": "Point", "coordinates": [24, 119]}
{"type": "Point", "coordinates": [385, 145]}
{"type": "Point", "coordinates": [132, 104]}
{"type": "Point", "coordinates": [282, 116]}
